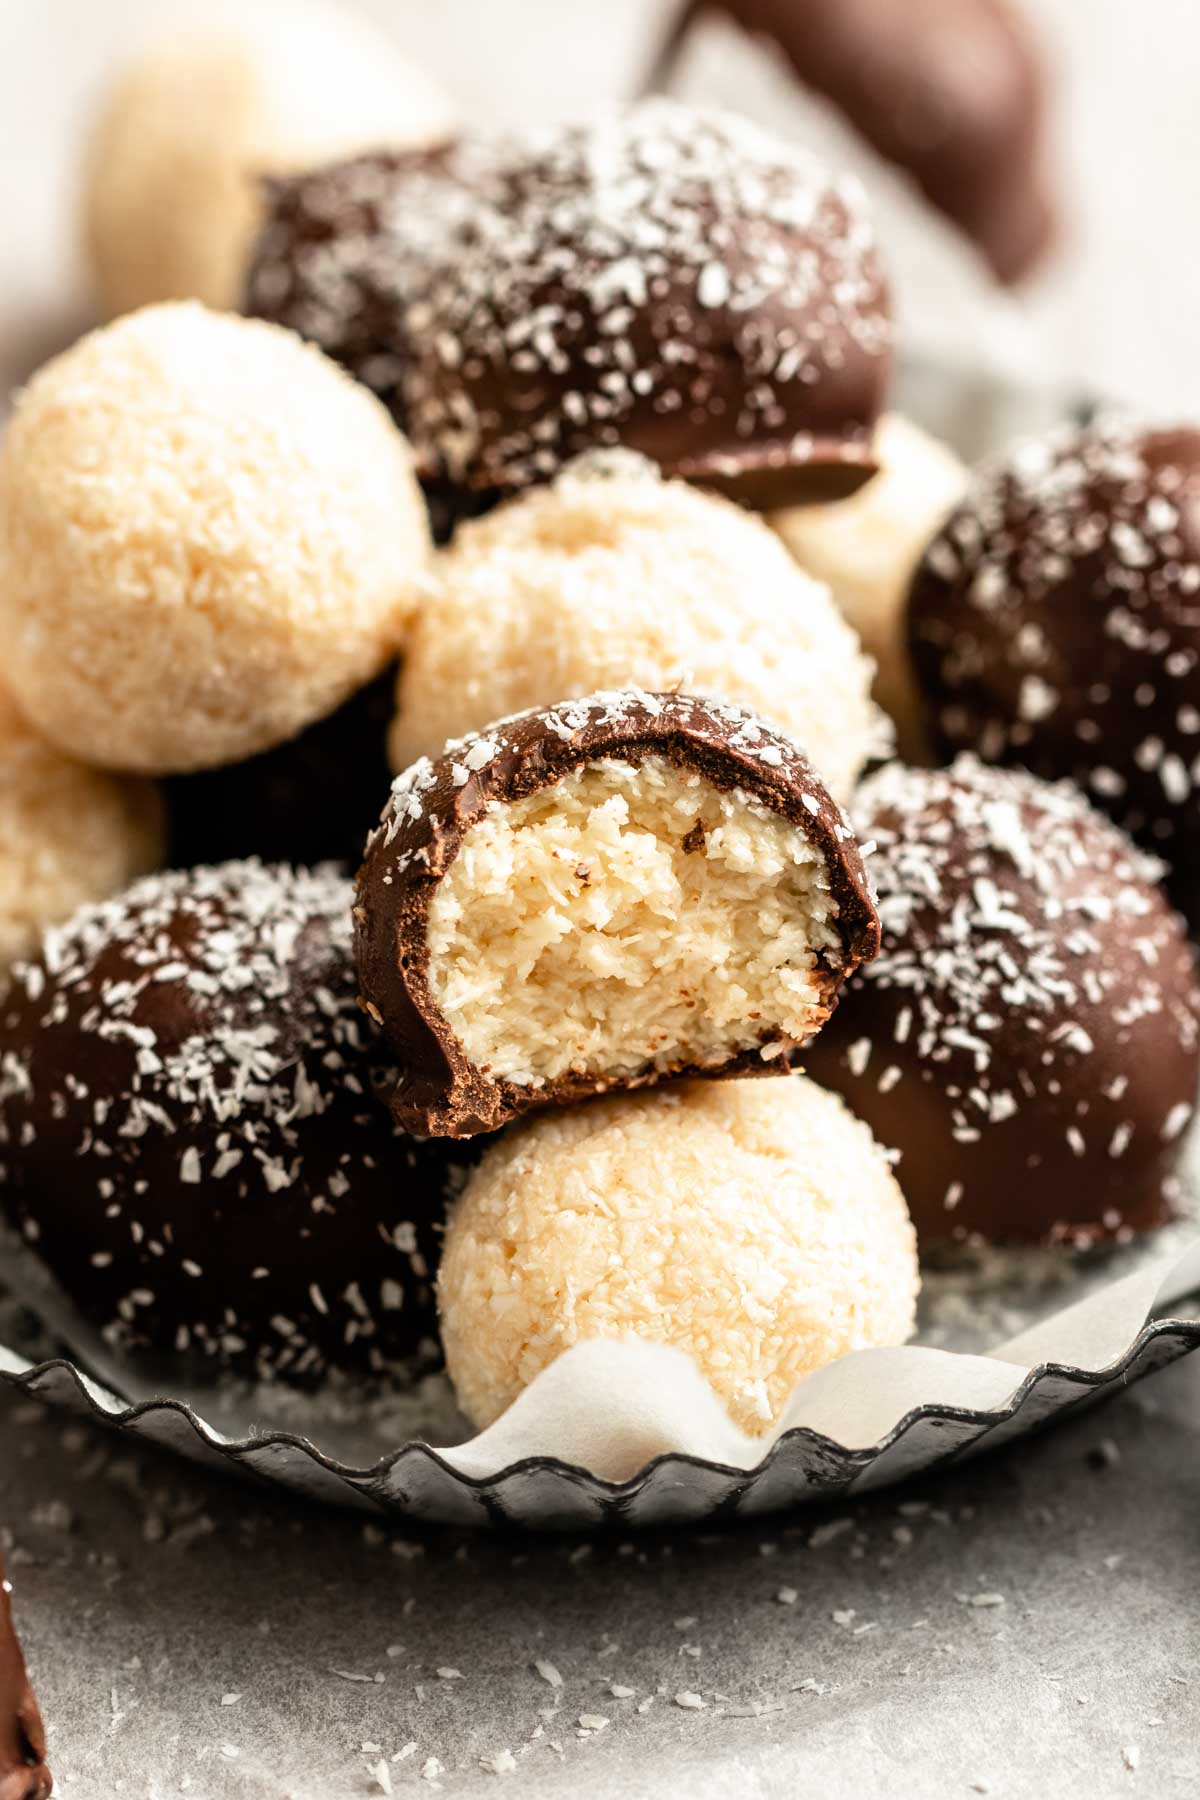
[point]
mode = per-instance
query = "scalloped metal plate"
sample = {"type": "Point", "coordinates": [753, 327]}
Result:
{"type": "Point", "coordinates": [416, 1483]}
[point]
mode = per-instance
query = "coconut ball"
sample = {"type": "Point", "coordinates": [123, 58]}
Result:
{"type": "Point", "coordinates": [209, 538]}
{"type": "Point", "coordinates": [1028, 1039]}
{"type": "Point", "coordinates": [171, 200]}
{"type": "Point", "coordinates": [865, 550]}
{"type": "Point", "coordinates": [67, 834]}
{"type": "Point", "coordinates": [612, 577]}
{"type": "Point", "coordinates": [610, 893]}
{"type": "Point", "coordinates": [191, 1137]}
{"type": "Point", "coordinates": [661, 278]}
{"type": "Point", "coordinates": [1054, 622]}
{"type": "Point", "coordinates": [756, 1226]}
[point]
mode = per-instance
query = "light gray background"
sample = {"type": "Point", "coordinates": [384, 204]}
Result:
{"type": "Point", "coordinates": [147, 1593]}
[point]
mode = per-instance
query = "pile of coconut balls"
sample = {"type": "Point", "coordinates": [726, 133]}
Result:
{"type": "Point", "coordinates": [457, 950]}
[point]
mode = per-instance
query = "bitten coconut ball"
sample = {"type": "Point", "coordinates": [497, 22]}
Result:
{"type": "Point", "coordinates": [759, 1229]}
{"type": "Point", "coordinates": [171, 199]}
{"type": "Point", "coordinates": [865, 550]}
{"type": "Point", "coordinates": [23, 1771]}
{"type": "Point", "coordinates": [191, 1138]}
{"type": "Point", "coordinates": [209, 538]}
{"type": "Point", "coordinates": [612, 578]}
{"type": "Point", "coordinates": [1027, 1038]}
{"type": "Point", "coordinates": [608, 893]}
{"type": "Point", "coordinates": [67, 834]}
{"type": "Point", "coordinates": [1055, 622]}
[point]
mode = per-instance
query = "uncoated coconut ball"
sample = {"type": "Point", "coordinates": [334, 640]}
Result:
{"type": "Point", "coordinates": [754, 1225]}
{"type": "Point", "coordinates": [612, 578]}
{"type": "Point", "coordinates": [209, 538]}
{"type": "Point", "coordinates": [866, 548]}
{"type": "Point", "coordinates": [67, 834]}
{"type": "Point", "coordinates": [171, 200]}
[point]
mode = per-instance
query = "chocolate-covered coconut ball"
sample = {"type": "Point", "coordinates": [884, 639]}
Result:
{"type": "Point", "coordinates": [865, 549]}
{"type": "Point", "coordinates": [191, 1139]}
{"type": "Point", "coordinates": [605, 893]}
{"type": "Point", "coordinates": [756, 1227]}
{"type": "Point", "coordinates": [171, 198]}
{"type": "Point", "coordinates": [951, 91]}
{"type": "Point", "coordinates": [23, 1771]}
{"type": "Point", "coordinates": [68, 834]}
{"type": "Point", "coordinates": [665, 280]}
{"type": "Point", "coordinates": [344, 248]}
{"type": "Point", "coordinates": [313, 799]}
{"type": "Point", "coordinates": [670, 281]}
{"type": "Point", "coordinates": [611, 577]}
{"type": "Point", "coordinates": [1027, 1037]}
{"type": "Point", "coordinates": [1055, 622]}
{"type": "Point", "coordinates": [209, 538]}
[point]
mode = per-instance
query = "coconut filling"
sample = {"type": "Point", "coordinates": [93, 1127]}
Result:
{"type": "Point", "coordinates": [625, 919]}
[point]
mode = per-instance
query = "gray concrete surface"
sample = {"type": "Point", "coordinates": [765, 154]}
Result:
{"type": "Point", "coordinates": [1026, 1627]}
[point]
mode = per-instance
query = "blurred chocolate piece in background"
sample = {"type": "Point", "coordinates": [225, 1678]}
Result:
{"type": "Point", "coordinates": [23, 1771]}
{"type": "Point", "coordinates": [951, 91]}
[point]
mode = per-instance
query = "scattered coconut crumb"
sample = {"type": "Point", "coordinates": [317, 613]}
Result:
{"type": "Point", "coordinates": [503, 1763]}
{"type": "Point", "coordinates": [827, 1533]}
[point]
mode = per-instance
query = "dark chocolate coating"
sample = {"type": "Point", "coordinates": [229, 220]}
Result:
{"type": "Point", "coordinates": [345, 248]}
{"type": "Point", "coordinates": [1027, 1037]}
{"type": "Point", "coordinates": [433, 805]}
{"type": "Point", "coordinates": [191, 1141]}
{"type": "Point", "coordinates": [666, 281]}
{"type": "Point", "coordinates": [300, 802]}
{"type": "Point", "coordinates": [950, 91]}
{"type": "Point", "coordinates": [23, 1771]}
{"type": "Point", "coordinates": [1055, 622]}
